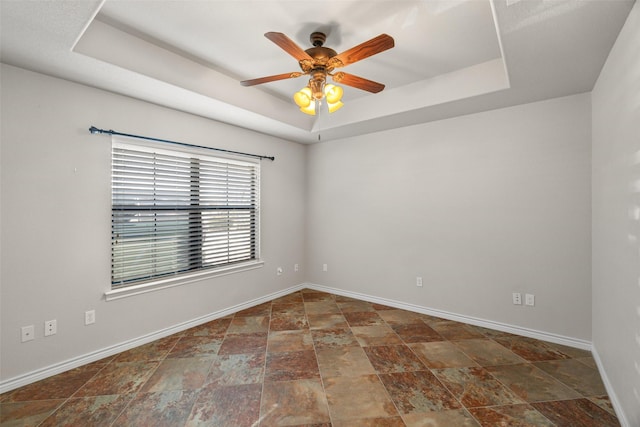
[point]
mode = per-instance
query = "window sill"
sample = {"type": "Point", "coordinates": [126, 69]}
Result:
{"type": "Point", "coordinates": [183, 279]}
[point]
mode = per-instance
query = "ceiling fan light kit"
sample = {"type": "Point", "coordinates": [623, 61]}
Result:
{"type": "Point", "coordinates": [318, 62]}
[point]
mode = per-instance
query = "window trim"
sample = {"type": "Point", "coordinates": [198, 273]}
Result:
{"type": "Point", "coordinates": [178, 279]}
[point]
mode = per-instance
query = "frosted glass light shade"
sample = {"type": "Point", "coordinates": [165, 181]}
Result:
{"type": "Point", "coordinates": [303, 97]}
{"type": "Point", "coordinates": [333, 93]}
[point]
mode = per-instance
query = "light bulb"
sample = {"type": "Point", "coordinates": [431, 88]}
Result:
{"type": "Point", "coordinates": [333, 93]}
{"type": "Point", "coordinates": [303, 97]}
{"type": "Point", "coordinates": [309, 109]}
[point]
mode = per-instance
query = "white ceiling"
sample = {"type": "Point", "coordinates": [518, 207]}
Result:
{"type": "Point", "coordinates": [451, 57]}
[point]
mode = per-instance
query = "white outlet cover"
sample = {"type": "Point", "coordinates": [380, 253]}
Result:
{"type": "Point", "coordinates": [89, 317]}
{"type": "Point", "coordinates": [50, 327]}
{"type": "Point", "coordinates": [28, 333]}
{"type": "Point", "coordinates": [517, 298]}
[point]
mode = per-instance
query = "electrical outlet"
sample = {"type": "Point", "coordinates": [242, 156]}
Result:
{"type": "Point", "coordinates": [419, 281]}
{"type": "Point", "coordinates": [296, 267]}
{"type": "Point", "coordinates": [27, 333]}
{"type": "Point", "coordinates": [50, 327]}
{"type": "Point", "coordinates": [89, 317]}
{"type": "Point", "coordinates": [517, 298]}
{"type": "Point", "coordinates": [324, 267]}
{"type": "Point", "coordinates": [279, 271]}
{"type": "Point", "coordinates": [530, 299]}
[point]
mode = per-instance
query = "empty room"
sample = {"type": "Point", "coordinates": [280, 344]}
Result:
{"type": "Point", "coordinates": [320, 213]}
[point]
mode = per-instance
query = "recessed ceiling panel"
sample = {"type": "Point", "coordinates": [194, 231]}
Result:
{"type": "Point", "coordinates": [431, 37]}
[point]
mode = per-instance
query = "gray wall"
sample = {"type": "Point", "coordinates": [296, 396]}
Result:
{"type": "Point", "coordinates": [479, 206]}
{"type": "Point", "coordinates": [56, 220]}
{"type": "Point", "coordinates": [616, 217]}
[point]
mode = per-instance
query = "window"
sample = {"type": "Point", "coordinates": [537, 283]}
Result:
{"type": "Point", "coordinates": [175, 212]}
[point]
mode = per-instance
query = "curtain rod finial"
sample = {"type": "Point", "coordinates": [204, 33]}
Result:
{"type": "Point", "coordinates": [94, 130]}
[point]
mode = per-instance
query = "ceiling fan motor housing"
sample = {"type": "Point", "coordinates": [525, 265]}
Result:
{"type": "Point", "coordinates": [317, 38]}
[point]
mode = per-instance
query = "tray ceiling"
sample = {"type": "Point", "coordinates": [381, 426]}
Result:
{"type": "Point", "coordinates": [451, 57]}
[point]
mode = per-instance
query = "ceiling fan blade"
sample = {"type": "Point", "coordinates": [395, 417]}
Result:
{"type": "Point", "coordinates": [268, 79]}
{"type": "Point", "coordinates": [288, 46]}
{"type": "Point", "coordinates": [357, 82]}
{"type": "Point", "coordinates": [362, 51]}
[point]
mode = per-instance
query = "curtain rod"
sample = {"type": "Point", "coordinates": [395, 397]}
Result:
{"type": "Point", "coordinates": [95, 130]}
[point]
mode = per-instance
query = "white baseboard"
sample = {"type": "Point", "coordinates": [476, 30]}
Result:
{"type": "Point", "coordinates": [30, 377]}
{"type": "Point", "coordinates": [490, 324]}
{"type": "Point", "coordinates": [40, 374]}
{"type": "Point", "coordinates": [624, 422]}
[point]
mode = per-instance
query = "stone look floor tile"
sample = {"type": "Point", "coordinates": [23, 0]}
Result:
{"type": "Point", "coordinates": [418, 392]}
{"type": "Point", "coordinates": [589, 361]}
{"type": "Point", "coordinates": [156, 350]}
{"type": "Point", "coordinates": [416, 332]}
{"type": "Point", "coordinates": [248, 325]}
{"type": "Point", "coordinates": [579, 412]}
{"type": "Point", "coordinates": [355, 306]}
{"type": "Point", "coordinates": [292, 309]}
{"type": "Point", "coordinates": [118, 378]}
{"type": "Point", "coordinates": [511, 415]}
{"type": "Point", "coordinates": [343, 361]}
{"type": "Point", "coordinates": [378, 307]}
{"type": "Point", "coordinates": [441, 354]}
{"type": "Point", "coordinates": [317, 296]}
{"type": "Point", "coordinates": [195, 347]}
{"type": "Point", "coordinates": [315, 359]}
{"type": "Point", "coordinates": [327, 321]}
{"type": "Point", "coordinates": [476, 387]}
{"type": "Point", "coordinates": [288, 322]}
{"type": "Point", "coordinates": [530, 349]}
{"type": "Point", "coordinates": [295, 297]}
{"type": "Point", "coordinates": [570, 351]}
{"type": "Point", "coordinates": [257, 310]}
{"type": "Point", "coordinates": [400, 317]}
{"type": "Point", "coordinates": [393, 358]}
{"type": "Point", "coordinates": [294, 365]}
{"type": "Point", "coordinates": [375, 335]}
{"type": "Point", "coordinates": [236, 369]}
{"type": "Point", "coordinates": [456, 331]}
{"type": "Point", "coordinates": [488, 353]}
{"type": "Point", "coordinates": [336, 337]}
{"type": "Point", "coordinates": [233, 405]}
{"type": "Point", "coordinates": [604, 402]}
{"type": "Point", "coordinates": [57, 387]}
{"type": "Point", "coordinates": [363, 318]}
{"type": "Point", "coordinates": [289, 403]}
{"type": "Point", "coordinates": [577, 375]}
{"type": "Point", "coordinates": [531, 384]}
{"type": "Point", "coordinates": [214, 328]}
{"type": "Point", "coordinates": [350, 398]}
{"type": "Point", "coordinates": [178, 374]}
{"type": "Point", "coordinates": [243, 343]}
{"type": "Point", "coordinates": [371, 422]}
{"type": "Point", "coordinates": [30, 413]}
{"type": "Point", "coordinates": [163, 409]}
{"type": "Point", "coordinates": [96, 411]}
{"type": "Point", "coordinates": [322, 307]}
{"type": "Point", "coordinates": [294, 340]}
{"type": "Point", "coordinates": [450, 418]}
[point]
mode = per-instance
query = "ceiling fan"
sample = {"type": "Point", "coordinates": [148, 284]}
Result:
{"type": "Point", "coordinates": [318, 62]}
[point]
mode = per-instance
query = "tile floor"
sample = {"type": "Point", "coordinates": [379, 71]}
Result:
{"type": "Point", "coordinates": [317, 359]}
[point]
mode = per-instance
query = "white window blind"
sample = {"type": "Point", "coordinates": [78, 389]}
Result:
{"type": "Point", "coordinates": [175, 212]}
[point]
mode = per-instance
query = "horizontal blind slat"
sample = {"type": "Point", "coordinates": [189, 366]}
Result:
{"type": "Point", "coordinates": [175, 213]}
